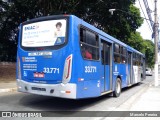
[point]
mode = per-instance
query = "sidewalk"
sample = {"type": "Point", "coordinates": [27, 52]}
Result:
{"type": "Point", "coordinates": [9, 86]}
{"type": "Point", "coordinates": [147, 99]}
{"type": "Point", "coordinates": [7, 77]}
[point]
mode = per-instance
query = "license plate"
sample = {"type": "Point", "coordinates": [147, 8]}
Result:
{"type": "Point", "coordinates": [39, 75]}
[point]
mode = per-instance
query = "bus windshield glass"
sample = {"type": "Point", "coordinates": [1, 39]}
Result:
{"type": "Point", "coordinates": [44, 33]}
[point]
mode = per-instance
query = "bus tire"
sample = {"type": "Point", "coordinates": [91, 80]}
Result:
{"type": "Point", "coordinates": [141, 77]}
{"type": "Point", "coordinates": [117, 91]}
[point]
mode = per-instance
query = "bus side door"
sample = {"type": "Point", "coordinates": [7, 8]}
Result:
{"type": "Point", "coordinates": [106, 61]}
{"type": "Point", "coordinates": [130, 66]}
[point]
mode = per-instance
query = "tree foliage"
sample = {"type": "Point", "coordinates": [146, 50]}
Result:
{"type": "Point", "coordinates": [136, 41]}
{"type": "Point", "coordinates": [7, 33]}
{"type": "Point", "coordinates": [145, 46]}
{"type": "Point", "coordinates": [149, 53]}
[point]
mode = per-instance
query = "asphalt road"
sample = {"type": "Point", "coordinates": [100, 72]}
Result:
{"type": "Point", "coordinates": [16, 101]}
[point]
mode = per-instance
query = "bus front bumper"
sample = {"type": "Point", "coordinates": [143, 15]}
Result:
{"type": "Point", "coordinates": [57, 90]}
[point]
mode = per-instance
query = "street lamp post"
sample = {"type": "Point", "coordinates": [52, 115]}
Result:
{"type": "Point", "coordinates": [112, 10]}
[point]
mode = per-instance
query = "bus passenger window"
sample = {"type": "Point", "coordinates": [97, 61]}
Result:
{"type": "Point", "coordinates": [134, 62]}
{"type": "Point", "coordinates": [117, 58]}
{"type": "Point", "coordinates": [90, 38]}
{"type": "Point", "coordinates": [124, 52]}
{"type": "Point", "coordinates": [116, 48]}
{"type": "Point", "coordinates": [89, 44]}
{"type": "Point", "coordinates": [87, 53]}
{"type": "Point", "coordinates": [123, 60]}
{"type": "Point", "coordinates": [123, 55]}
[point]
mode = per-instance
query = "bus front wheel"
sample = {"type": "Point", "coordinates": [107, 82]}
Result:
{"type": "Point", "coordinates": [117, 90]}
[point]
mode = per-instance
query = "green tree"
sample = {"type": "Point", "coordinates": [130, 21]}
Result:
{"type": "Point", "coordinates": [7, 33]}
{"type": "Point", "coordinates": [149, 53]}
{"type": "Point", "coordinates": [145, 46]}
{"type": "Point", "coordinates": [136, 41]}
{"type": "Point", "coordinates": [120, 24]}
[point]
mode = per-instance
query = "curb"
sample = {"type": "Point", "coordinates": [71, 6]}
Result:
{"type": "Point", "coordinates": [8, 90]}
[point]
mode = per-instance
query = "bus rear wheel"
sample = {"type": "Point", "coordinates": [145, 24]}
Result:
{"type": "Point", "coordinates": [117, 91]}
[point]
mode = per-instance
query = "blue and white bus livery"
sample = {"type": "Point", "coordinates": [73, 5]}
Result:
{"type": "Point", "coordinates": [74, 60]}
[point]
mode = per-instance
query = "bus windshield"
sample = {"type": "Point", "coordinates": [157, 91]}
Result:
{"type": "Point", "coordinates": [44, 33]}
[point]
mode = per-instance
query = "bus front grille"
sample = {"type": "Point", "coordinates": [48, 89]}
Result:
{"type": "Point", "coordinates": [39, 89]}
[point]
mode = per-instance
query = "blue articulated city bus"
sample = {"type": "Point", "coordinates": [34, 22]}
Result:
{"type": "Point", "coordinates": [63, 56]}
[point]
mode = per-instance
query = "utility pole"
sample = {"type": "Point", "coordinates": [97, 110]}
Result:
{"type": "Point", "coordinates": [148, 13]}
{"type": "Point", "coordinates": [156, 45]}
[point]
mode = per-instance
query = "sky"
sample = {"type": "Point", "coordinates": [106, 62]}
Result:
{"type": "Point", "coordinates": [145, 30]}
